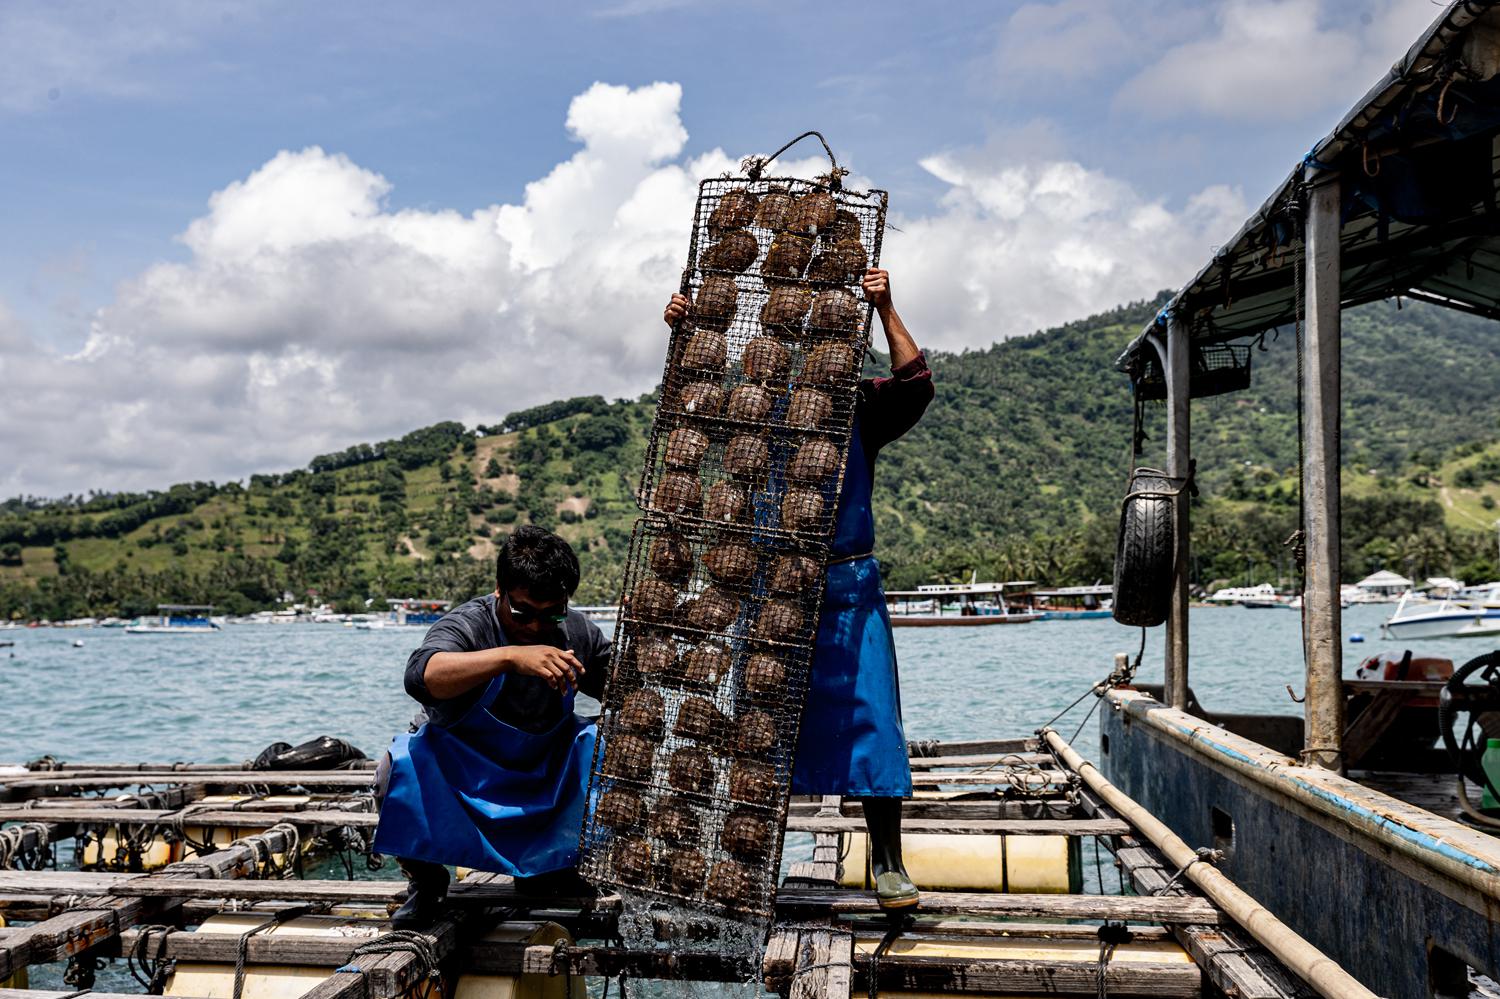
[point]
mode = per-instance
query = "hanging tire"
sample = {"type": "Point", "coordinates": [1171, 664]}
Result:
{"type": "Point", "coordinates": [1145, 551]}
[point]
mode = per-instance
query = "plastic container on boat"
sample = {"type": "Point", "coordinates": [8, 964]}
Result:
{"type": "Point", "coordinates": [1490, 761]}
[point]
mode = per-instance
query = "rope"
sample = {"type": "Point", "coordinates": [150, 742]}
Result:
{"type": "Point", "coordinates": [1203, 855]}
{"type": "Point", "coordinates": [1117, 678]}
{"type": "Point", "coordinates": [899, 925]}
{"type": "Point", "coordinates": [922, 747]}
{"type": "Point", "coordinates": [266, 865]}
{"type": "Point", "coordinates": [1111, 936]}
{"type": "Point", "coordinates": [418, 945]}
{"type": "Point", "coordinates": [242, 948]}
{"type": "Point", "coordinates": [754, 166]}
{"type": "Point", "coordinates": [151, 971]}
{"type": "Point", "coordinates": [14, 853]}
{"type": "Point", "coordinates": [82, 968]}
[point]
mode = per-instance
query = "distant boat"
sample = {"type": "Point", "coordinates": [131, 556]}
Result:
{"type": "Point", "coordinates": [176, 619]}
{"type": "Point", "coordinates": [955, 605]}
{"type": "Point", "coordinates": [1071, 603]}
{"type": "Point", "coordinates": [1262, 597]}
{"type": "Point", "coordinates": [600, 612]}
{"type": "Point", "coordinates": [1473, 612]}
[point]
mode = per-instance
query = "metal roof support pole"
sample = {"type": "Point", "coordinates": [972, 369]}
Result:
{"type": "Point", "coordinates": [1179, 434]}
{"type": "Point", "coordinates": [1321, 624]}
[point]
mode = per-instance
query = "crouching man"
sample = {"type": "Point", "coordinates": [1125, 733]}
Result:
{"type": "Point", "coordinates": [494, 775]}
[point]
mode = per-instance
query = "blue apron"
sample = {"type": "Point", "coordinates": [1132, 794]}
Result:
{"type": "Point", "coordinates": [484, 794]}
{"type": "Point", "coordinates": [851, 741]}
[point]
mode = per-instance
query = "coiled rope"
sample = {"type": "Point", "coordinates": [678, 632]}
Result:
{"type": "Point", "coordinates": [418, 945]}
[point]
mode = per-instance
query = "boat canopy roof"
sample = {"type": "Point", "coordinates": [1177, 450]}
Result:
{"type": "Point", "coordinates": [1099, 590]}
{"type": "Point", "coordinates": [164, 608]}
{"type": "Point", "coordinates": [1383, 578]}
{"type": "Point", "coordinates": [959, 589]}
{"type": "Point", "coordinates": [1421, 217]}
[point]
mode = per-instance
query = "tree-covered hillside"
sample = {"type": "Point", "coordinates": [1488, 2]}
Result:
{"type": "Point", "coordinates": [1016, 472]}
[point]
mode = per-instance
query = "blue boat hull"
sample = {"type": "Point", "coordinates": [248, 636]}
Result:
{"type": "Point", "coordinates": [1393, 920]}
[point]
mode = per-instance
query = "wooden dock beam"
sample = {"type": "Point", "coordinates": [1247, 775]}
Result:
{"type": "Point", "coordinates": [1321, 618]}
{"type": "Point", "coordinates": [1179, 352]}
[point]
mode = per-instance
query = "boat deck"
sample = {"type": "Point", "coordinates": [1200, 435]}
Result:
{"type": "Point", "coordinates": [826, 940]}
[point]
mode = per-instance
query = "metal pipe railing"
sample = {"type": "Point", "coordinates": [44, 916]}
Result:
{"type": "Point", "coordinates": [1302, 958]}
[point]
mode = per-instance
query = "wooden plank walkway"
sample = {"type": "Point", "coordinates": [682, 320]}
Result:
{"type": "Point", "coordinates": [823, 944]}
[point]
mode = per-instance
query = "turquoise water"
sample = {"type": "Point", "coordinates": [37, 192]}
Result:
{"type": "Point", "coordinates": [223, 697]}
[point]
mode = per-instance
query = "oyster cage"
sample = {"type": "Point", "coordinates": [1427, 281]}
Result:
{"type": "Point", "coordinates": [710, 667]}
{"type": "Point", "coordinates": [724, 580]}
{"type": "Point", "coordinates": [759, 389]}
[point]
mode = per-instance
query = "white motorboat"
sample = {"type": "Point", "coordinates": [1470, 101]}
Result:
{"type": "Point", "coordinates": [1473, 612]}
{"type": "Point", "coordinates": [1259, 597]}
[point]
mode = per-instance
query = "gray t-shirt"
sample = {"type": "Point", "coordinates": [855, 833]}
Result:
{"type": "Point", "coordinates": [526, 701]}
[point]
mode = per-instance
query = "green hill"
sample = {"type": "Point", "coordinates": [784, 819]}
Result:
{"type": "Point", "coordinates": [1015, 472]}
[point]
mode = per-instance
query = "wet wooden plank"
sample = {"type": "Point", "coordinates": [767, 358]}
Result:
{"type": "Point", "coordinates": [1235, 963]}
{"type": "Point", "coordinates": [947, 975]}
{"type": "Point", "coordinates": [253, 815]}
{"type": "Point", "coordinates": [990, 807]}
{"type": "Point", "coordinates": [99, 917]}
{"type": "Point", "coordinates": [921, 749]}
{"type": "Point", "coordinates": [57, 783]}
{"type": "Point", "coordinates": [678, 965]}
{"type": "Point", "coordinates": [53, 994]}
{"type": "Point", "coordinates": [841, 902]}
{"type": "Point", "coordinates": [961, 928]}
{"type": "Point", "coordinates": [1013, 827]}
{"type": "Point", "coordinates": [823, 965]}
{"type": "Point", "coordinates": [993, 761]}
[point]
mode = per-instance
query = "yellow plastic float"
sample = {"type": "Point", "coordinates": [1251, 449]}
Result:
{"type": "Point", "coordinates": [102, 852]}
{"type": "Point", "coordinates": [950, 862]}
{"type": "Point", "coordinates": [21, 979]}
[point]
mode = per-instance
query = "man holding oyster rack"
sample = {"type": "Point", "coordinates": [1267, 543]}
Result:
{"type": "Point", "coordinates": [851, 741]}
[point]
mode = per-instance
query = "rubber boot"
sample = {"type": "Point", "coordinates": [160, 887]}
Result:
{"type": "Point", "coordinates": [566, 883]}
{"type": "Point", "coordinates": [427, 887]}
{"type": "Point", "coordinates": [893, 887]}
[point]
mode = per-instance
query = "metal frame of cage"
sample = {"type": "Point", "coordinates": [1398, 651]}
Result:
{"type": "Point", "coordinates": [691, 805]}
{"type": "Point", "coordinates": [1215, 369]}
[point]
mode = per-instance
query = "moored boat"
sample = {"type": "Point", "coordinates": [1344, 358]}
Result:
{"type": "Point", "coordinates": [176, 619]}
{"type": "Point", "coordinates": [952, 605]}
{"type": "Point", "coordinates": [1471, 613]}
{"type": "Point", "coordinates": [1072, 603]}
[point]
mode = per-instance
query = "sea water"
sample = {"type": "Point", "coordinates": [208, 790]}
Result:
{"type": "Point", "coordinates": [223, 697]}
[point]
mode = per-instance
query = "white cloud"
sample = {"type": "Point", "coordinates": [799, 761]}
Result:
{"type": "Point", "coordinates": [1266, 60]}
{"type": "Point", "coordinates": [1048, 43]}
{"type": "Point", "coordinates": [309, 315]}
{"type": "Point", "coordinates": [1017, 248]}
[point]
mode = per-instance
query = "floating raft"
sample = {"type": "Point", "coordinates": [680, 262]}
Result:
{"type": "Point", "coordinates": [189, 922]}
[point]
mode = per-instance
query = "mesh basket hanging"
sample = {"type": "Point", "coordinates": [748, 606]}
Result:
{"type": "Point", "coordinates": [1215, 369]}
{"type": "Point", "coordinates": [724, 579]}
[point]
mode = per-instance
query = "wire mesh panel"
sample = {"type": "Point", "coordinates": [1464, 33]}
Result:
{"type": "Point", "coordinates": [725, 575]}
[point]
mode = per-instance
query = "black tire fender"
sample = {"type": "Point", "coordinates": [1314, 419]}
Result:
{"type": "Point", "coordinates": [1145, 550]}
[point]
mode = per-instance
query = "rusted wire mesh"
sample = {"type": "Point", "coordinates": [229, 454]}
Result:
{"type": "Point", "coordinates": [725, 575]}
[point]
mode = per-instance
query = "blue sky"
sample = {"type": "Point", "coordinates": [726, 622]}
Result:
{"type": "Point", "coordinates": [293, 203]}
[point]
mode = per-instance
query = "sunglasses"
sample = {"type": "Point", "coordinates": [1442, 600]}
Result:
{"type": "Point", "coordinates": [521, 615]}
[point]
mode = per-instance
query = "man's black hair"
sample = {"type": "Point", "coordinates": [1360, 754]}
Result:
{"type": "Point", "coordinates": [537, 561]}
